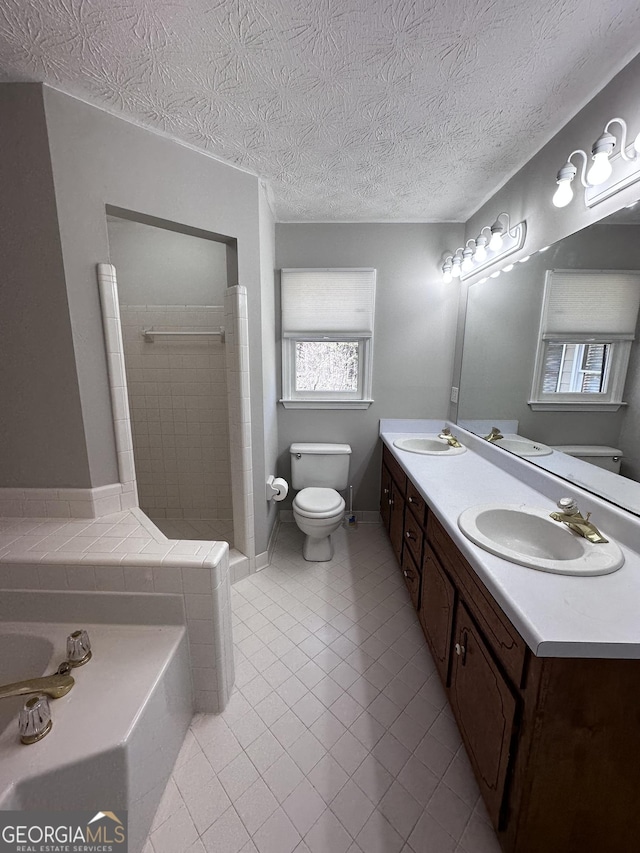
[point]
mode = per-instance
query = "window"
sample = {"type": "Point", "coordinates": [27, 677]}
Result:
{"type": "Point", "coordinates": [587, 327]}
{"type": "Point", "coordinates": [327, 337]}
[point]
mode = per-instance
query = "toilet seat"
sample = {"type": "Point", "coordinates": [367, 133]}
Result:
{"type": "Point", "coordinates": [315, 502]}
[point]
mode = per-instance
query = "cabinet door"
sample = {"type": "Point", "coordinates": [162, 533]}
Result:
{"type": "Point", "coordinates": [485, 708]}
{"type": "Point", "coordinates": [396, 520]}
{"type": "Point", "coordinates": [436, 611]}
{"type": "Point", "coordinates": [385, 497]}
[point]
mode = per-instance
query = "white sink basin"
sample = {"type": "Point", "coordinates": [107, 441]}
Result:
{"type": "Point", "coordinates": [523, 446]}
{"type": "Point", "coordinates": [528, 536]}
{"type": "Point", "coordinates": [428, 445]}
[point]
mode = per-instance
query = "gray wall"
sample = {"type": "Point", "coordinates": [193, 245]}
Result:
{"type": "Point", "coordinates": [60, 430]}
{"type": "Point", "coordinates": [269, 352]}
{"type": "Point", "coordinates": [156, 266]}
{"type": "Point", "coordinates": [41, 424]}
{"type": "Point", "coordinates": [501, 337]}
{"type": "Point", "coordinates": [414, 335]}
{"type": "Point", "coordinates": [527, 195]}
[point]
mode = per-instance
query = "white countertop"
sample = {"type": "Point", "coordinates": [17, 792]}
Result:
{"type": "Point", "coordinates": [557, 615]}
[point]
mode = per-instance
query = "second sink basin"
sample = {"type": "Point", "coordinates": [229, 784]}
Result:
{"type": "Point", "coordinates": [523, 446]}
{"type": "Point", "coordinates": [528, 536]}
{"type": "Point", "coordinates": [428, 445]}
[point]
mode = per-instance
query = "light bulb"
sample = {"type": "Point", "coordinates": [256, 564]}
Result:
{"type": "Point", "coordinates": [636, 144]}
{"type": "Point", "coordinates": [495, 274]}
{"type": "Point", "coordinates": [563, 194]}
{"type": "Point", "coordinates": [508, 268]}
{"type": "Point", "coordinates": [523, 260]}
{"type": "Point", "coordinates": [544, 249]}
{"type": "Point", "coordinates": [600, 169]}
{"type": "Point", "coordinates": [481, 249]}
{"type": "Point", "coordinates": [495, 243]}
{"type": "Point", "coordinates": [467, 262]}
{"type": "Point", "coordinates": [446, 275]}
{"type": "Point", "coordinates": [455, 270]}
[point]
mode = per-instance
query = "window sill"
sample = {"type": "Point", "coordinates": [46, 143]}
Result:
{"type": "Point", "coordinates": [326, 404]}
{"type": "Point", "coordinates": [574, 407]}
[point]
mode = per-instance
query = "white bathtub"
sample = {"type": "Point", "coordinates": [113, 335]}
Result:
{"type": "Point", "coordinates": [116, 734]}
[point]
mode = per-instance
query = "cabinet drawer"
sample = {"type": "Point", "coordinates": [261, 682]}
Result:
{"type": "Point", "coordinates": [394, 469]}
{"type": "Point", "coordinates": [506, 642]}
{"type": "Point", "coordinates": [412, 537]}
{"type": "Point", "coordinates": [411, 577]}
{"type": "Point", "coordinates": [416, 503]}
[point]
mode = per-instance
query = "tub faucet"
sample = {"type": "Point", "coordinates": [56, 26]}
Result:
{"type": "Point", "coordinates": [571, 516]}
{"type": "Point", "coordinates": [55, 686]}
{"type": "Point", "coordinates": [494, 435]}
{"type": "Point", "coordinates": [450, 439]}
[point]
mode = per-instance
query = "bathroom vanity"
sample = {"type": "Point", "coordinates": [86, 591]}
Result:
{"type": "Point", "coordinates": [551, 726]}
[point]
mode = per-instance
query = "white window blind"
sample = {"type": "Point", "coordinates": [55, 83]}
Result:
{"type": "Point", "coordinates": [328, 301]}
{"type": "Point", "coordinates": [584, 302]}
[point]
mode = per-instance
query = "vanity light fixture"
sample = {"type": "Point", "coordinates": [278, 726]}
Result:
{"type": "Point", "coordinates": [491, 246]}
{"type": "Point", "coordinates": [626, 161]}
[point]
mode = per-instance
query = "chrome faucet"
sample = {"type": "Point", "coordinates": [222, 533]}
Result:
{"type": "Point", "coordinates": [494, 435]}
{"type": "Point", "coordinates": [450, 439]}
{"type": "Point", "coordinates": [571, 516]}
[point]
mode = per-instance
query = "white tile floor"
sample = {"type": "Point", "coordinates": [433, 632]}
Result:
{"type": "Point", "coordinates": [337, 738]}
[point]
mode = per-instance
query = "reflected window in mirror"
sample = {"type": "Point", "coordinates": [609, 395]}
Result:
{"type": "Point", "coordinates": [586, 330]}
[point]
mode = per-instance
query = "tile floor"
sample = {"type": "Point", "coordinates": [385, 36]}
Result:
{"type": "Point", "coordinates": [337, 738]}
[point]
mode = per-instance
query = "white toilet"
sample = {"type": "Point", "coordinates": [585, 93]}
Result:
{"type": "Point", "coordinates": [608, 458]}
{"type": "Point", "coordinates": [318, 470]}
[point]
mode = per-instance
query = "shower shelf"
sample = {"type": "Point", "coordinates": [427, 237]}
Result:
{"type": "Point", "coordinates": [150, 334]}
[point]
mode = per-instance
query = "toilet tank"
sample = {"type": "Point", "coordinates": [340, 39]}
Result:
{"type": "Point", "coordinates": [324, 465]}
{"type": "Point", "coordinates": [604, 457]}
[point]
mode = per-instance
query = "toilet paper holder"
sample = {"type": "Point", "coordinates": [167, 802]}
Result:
{"type": "Point", "coordinates": [277, 488]}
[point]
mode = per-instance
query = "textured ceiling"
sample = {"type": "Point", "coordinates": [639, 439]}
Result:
{"type": "Point", "coordinates": [354, 110]}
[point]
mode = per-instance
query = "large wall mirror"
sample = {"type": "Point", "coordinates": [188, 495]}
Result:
{"type": "Point", "coordinates": [505, 347]}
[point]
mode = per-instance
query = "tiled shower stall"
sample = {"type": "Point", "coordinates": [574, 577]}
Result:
{"type": "Point", "coordinates": [177, 392]}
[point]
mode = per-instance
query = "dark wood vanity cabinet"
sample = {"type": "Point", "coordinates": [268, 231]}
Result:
{"type": "Point", "coordinates": [554, 742]}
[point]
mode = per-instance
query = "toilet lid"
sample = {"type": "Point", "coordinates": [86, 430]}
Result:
{"type": "Point", "coordinates": [318, 500]}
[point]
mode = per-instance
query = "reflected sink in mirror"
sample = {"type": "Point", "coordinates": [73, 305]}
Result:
{"type": "Point", "coordinates": [428, 445]}
{"type": "Point", "coordinates": [528, 536]}
{"type": "Point", "coordinates": [522, 446]}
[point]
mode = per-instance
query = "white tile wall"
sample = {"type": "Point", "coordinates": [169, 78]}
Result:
{"type": "Point", "coordinates": [177, 393]}
{"type": "Point", "coordinates": [123, 553]}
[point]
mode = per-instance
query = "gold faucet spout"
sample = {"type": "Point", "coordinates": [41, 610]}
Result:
{"type": "Point", "coordinates": [54, 686]}
{"type": "Point", "coordinates": [449, 438]}
{"type": "Point", "coordinates": [580, 525]}
{"type": "Point", "coordinates": [494, 435]}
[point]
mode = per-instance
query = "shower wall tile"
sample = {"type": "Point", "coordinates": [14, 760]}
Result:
{"type": "Point", "coordinates": [177, 394]}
